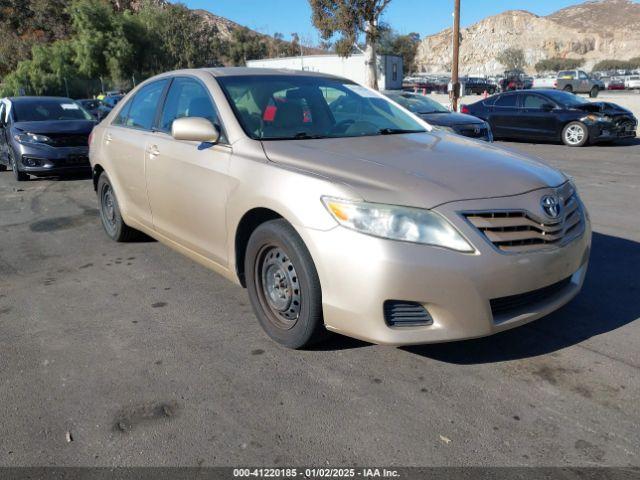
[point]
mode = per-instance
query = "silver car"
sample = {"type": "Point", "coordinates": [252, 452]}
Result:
{"type": "Point", "coordinates": [337, 209]}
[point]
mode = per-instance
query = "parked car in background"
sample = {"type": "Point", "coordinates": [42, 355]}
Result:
{"type": "Point", "coordinates": [95, 107]}
{"type": "Point", "coordinates": [307, 205]}
{"type": "Point", "coordinates": [478, 86]}
{"type": "Point", "coordinates": [512, 80]}
{"type": "Point", "coordinates": [547, 82]}
{"type": "Point", "coordinates": [44, 136]}
{"type": "Point", "coordinates": [554, 115]}
{"type": "Point", "coordinates": [633, 83]}
{"type": "Point", "coordinates": [616, 84]}
{"type": "Point", "coordinates": [436, 114]}
{"type": "Point", "coordinates": [577, 81]}
{"type": "Point", "coordinates": [111, 101]}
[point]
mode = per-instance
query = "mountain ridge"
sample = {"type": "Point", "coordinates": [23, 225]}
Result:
{"type": "Point", "coordinates": [594, 30]}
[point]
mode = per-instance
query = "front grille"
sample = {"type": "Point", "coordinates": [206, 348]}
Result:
{"type": "Point", "coordinates": [75, 159]}
{"type": "Point", "coordinates": [473, 131]}
{"type": "Point", "coordinates": [512, 303]}
{"type": "Point", "coordinates": [69, 140]}
{"type": "Point", "coordinates": [519, 230]}
{"type": "Point", "coordinates": [398, 313]}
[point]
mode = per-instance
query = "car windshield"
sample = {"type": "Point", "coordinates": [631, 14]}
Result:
{"type": "Point", "coordinates": [417, 103]}
{"type": "Point", "coordinates": [44, 109]}
{"type": "Point", "coordinates": [291, 107]}
{"type": "Point", "coordinates": [567, 99]}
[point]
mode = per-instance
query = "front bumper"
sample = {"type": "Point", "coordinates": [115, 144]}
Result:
{"type": "Point", "coordinates": [358, 273]}
{"type": "Point", "coordinates": [601, 132]}
{"type": "Point", "coordinates": [44, 160]}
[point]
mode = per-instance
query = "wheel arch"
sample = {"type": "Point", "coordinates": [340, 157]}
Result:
{"type": "Point", "coordinates": [95, 174]}
{"type": "Point", "coordinates": [251, 220]}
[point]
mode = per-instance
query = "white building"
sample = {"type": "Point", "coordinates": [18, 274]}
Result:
{"type": "Point", "coordinates": [353, 67]}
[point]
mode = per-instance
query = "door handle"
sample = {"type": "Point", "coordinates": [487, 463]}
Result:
{"type": "Point", "coordinates": [153, 151]}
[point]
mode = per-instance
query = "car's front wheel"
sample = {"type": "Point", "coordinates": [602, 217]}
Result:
{"type": "Point", "coordinates": [575, 134]}
{"type": "Point", "coordinates": [594, 92]}
{"type": "Point", "coordinates": [17, 174]}
{"type": "Point", "coordinates": [283, 285]}
{"type": "Point", "coordinates": [110, 214]}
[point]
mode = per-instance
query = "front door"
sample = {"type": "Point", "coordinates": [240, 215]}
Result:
{"type": "Point", "coordinates": [187, 181]}
{"type": "Point", "coordinates": [125, 142]}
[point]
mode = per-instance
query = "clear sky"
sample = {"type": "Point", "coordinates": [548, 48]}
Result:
{"type": "Point", "coordinates": [422, 16]}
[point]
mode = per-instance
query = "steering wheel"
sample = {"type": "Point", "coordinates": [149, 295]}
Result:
{"type": "Point", "coordinates": [342, 126]}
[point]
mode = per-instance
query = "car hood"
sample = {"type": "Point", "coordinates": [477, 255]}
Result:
{"type": "Point", "coordinates": [71, 127]}
{"type": "Point", "coordinates": [421, 169]}
{"type": "Point", "coordinates": [607, 108]}
{"type": "Point", "coordinates": [449, 119]}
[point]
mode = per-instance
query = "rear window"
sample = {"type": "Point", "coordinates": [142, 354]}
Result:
{"type": "Point", "coordinates": [46, 109]}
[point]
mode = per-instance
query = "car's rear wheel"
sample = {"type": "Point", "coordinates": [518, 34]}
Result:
{"type": "Point", "coordinates": [17, 174]}
{"type": "Point", "coordinates": [110, 215]}
{"type": "Point", "coordinates": [575, 134]}
{"type": "Point", "coordinates": [568, 88]}
{"type": "Point", "coordinates": [283, 285]}
{"type": "Point", "coordinates": [594, 92]}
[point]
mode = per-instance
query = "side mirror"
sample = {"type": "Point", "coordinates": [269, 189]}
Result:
{"type": "Point", "coordinates": [547, 107]}
{"type": "Point", "coordinates": [195, 129]}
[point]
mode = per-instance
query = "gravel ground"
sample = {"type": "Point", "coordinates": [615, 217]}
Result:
{"type": "Point", "coordinates": [130, 354]}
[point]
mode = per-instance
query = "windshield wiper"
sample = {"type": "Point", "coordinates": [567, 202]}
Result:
{"type": "Point", "coordinates": [297, 136]}
{"type": "Point", "coordinates": [394, 131]}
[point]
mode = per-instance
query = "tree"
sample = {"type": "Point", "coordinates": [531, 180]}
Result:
{"type": "Point", "coordinates": [512, 59]}
{"type": "Point", "coordinates": [349, 19]}
{"type": "Point", "coordinates": [605, 65]}
{"type": "Point", "coordinates": [391, 43]}
{"type": "Point", "coordinates": [556, 64]}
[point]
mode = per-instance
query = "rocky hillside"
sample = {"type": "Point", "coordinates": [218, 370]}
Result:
{"type": "Point", "coordinates": [594, 30]}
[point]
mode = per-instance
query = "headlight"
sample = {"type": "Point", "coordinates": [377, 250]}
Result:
{"type": "Point", "coordinates": [598, 118]}
{"type": "Point", "coordinates": [31, 138]}
{"type": "Point", "coordinates": [397, 223]}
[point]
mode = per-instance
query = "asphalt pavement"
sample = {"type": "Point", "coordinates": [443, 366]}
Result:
{"type": "Point", "coordinates": [130, 354]}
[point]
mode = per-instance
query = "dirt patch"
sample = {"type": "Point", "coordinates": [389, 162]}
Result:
{"type": "Point", "coordinates": [130, 417]}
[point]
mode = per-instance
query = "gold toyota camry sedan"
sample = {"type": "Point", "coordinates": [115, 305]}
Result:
{"type": "Point", "coordinates": [337, 209]}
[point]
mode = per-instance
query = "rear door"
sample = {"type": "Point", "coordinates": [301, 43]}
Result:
{"type": "Point", "coordinates": [534, 121]}
{"type": "Point", "coordinates": [188, 182]}
{"type": "Point", "coordinates": [125, 143]}
{"type": "Point", "coordinates": [504, 115]}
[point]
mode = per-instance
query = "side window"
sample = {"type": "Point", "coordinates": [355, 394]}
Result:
{"type": "Point", "coordinates": [534, 101]}
{"type": "Point", "coordinates": [582, 75]}
{"type": "Point", "coordinates": [187, 98]}
{"type": "Point", "coordinates": [121, 118]}
{"type": "Point", "coordinates": [506, 101]}
{"type": "Point", "coordinates": [144, 105]}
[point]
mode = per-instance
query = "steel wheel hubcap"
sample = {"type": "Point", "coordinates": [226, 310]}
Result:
{"type": "Point", "coordinates": [575, 134]}
{"type": "Point", "coordinates": [108, 207]}
{"type": "Point", "coordinates": [279, 286]}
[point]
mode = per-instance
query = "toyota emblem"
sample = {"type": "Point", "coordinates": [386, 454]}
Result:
{"type": "Point", "coordinates": [551, 205]}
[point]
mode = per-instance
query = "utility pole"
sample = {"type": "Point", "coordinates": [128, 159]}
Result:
{"type": "Point", "coordinates": [455, 83]}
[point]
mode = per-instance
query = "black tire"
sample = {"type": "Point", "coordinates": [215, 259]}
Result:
{"type": "Point", "coordinates": [568, 88]}
{"type": "Point", "coordinates": [3, 167]}
{"type": "Point", "coordinates": [17, 174]}
{"type": "Point", "coordinates": [110, 216]}
{"type": "Point", "coordinates": [575, 134]}
{"type": "Point", "coordinates": [283, 285]}
{"type": "Point", "coordinates": [594, 92]}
